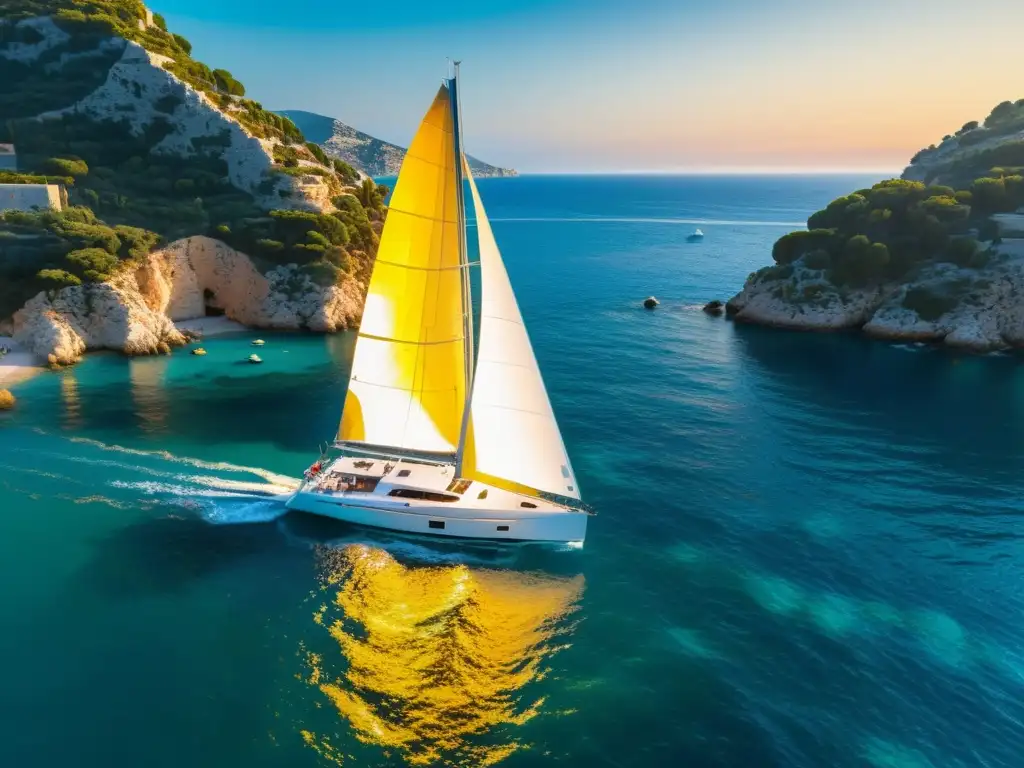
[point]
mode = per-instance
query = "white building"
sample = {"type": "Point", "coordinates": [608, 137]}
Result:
{"type": "Point", "coordinates": [8, 158]}
{"type": "Point", "coordinates": [27, 197]}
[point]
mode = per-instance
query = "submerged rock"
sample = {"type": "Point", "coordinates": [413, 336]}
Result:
{"type": "Point", "coordinates": [650, 302]}
{"type": "Point", "coordinates": [7, 400]}
{"type": "Point", "coordinates": [715, 307]}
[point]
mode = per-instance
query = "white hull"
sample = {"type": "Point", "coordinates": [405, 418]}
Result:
{"type": "Point", "coordinates": [564, 527]}
{"type": "Point", "coordinates": [500, 515]}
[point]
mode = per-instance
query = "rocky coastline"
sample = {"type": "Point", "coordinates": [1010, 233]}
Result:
{"type": "Point", "coordinates": [976, 310]}
{"type": "Point", "coordinates": [136, 312]}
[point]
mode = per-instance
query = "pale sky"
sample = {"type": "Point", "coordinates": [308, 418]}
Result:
{"type": "Point", "coordinates": [632, 85]}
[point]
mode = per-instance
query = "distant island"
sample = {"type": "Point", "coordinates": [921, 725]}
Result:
{"type": "Point", "coordinates": [141, 190]}
{"type": "Point", "coordinates": [935, 256]}
{"type": "Point", "coordinates": [369, 155]}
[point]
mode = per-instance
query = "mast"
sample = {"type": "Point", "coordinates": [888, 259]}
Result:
{"type": "Point", "coordinates": [467, 298]}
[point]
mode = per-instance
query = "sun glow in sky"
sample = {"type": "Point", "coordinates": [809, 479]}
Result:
{"type": "Point", "coordinates": [632, 85]}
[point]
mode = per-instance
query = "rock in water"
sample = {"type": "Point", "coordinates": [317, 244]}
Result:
{"type": "Point", "coordinates": [715, 307]}
{"type": "Point", "coordinates": [650, 302]}
{"type": "Point", "coordinates": [6, 400]}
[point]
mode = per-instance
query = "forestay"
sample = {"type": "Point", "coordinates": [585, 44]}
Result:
{"type": "Point", "coordinates": [513, 439]}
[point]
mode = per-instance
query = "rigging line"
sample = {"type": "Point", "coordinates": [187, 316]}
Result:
{"type": "Point", "coordinates": [394, 340]}
{"type": "Point", "coordinates": [404, 212]}
{"type": "Point", "coordinates": [426, 269]}
{"type": "Point", "coordinates": [398, 389]}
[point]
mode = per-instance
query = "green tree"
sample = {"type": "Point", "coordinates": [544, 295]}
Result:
{"type": "Point", "coordinates": [65, 166]}
{"type": "Point", "coordinates": [55, 279]}
{"type": "Point", "coordinates": [989, 195]}
{"type": "Point", "coordinates": [369, 195]}
{"type": "Point", "coordinates": [93, 264]}
{"type": "Point", "coordinates": [184, 44]}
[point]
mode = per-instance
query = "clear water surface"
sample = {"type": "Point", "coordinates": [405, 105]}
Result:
{"type": "Point", "coordinates": [807, 551]}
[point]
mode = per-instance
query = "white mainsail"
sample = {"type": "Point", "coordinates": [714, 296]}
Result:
{"type": "Point", "coordinates": [512, 437]}
{"type": "Point", "coordinates": [407, 389]}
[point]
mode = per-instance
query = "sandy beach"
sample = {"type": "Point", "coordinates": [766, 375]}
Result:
{"type": "Point", "coordinates": [210, 326]}
{"type": "Point", "coordinates": [17, 365]}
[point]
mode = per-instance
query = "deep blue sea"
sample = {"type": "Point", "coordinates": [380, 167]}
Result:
{"type": "Point", "coordinates": [808, 550]}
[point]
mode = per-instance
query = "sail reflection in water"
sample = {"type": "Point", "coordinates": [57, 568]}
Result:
{"type": "Point", "coordinates": [437, 662]}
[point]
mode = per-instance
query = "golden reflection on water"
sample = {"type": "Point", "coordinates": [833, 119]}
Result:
{"type": "Point", "coordinates": [149, 395]}
{"type": "Point", "coordinates": [435, 660]}
{"type": "Point", "coordinates": [70, 399]}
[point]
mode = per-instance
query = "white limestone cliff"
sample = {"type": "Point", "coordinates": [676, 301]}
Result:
{"type": "Point", "coordinates": [135, 312]}
{"type": "Point", "coordinates": [139, 90]}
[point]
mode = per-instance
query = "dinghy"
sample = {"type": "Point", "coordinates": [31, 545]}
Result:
{"type": "Point", "coordinates": [255, 359]}
{"type": "Point", "coordinates": [442, 433]}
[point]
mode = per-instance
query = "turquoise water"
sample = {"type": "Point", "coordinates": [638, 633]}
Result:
{"type": "Point", "coordinates": [807, 551]}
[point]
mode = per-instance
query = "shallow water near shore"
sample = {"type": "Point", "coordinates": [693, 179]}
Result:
{"type": "Point", "coordinates": [806, 552]}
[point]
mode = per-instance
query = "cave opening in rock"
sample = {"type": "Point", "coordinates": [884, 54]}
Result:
{"type": "Point", "coordinates": [209, 297]}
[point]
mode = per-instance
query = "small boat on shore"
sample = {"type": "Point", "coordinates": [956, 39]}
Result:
{"type": "Point", "coordinates": [695, 237]}
{"type": "Point", "coordinates": [255, 359]}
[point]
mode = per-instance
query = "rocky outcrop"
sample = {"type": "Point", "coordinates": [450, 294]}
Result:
{"type": "Point", "coordinates": [973, 150]}
{"type": "Point", "coordinates": [714, 307]}
{"type": "Point", "coordinates": [367, 154]}
{"type": "Point", "coordinates": [140, 91]}
{"type": "Point", "coordinates": [60, 327]}
{"type": "Point", "coordinates": [49, 36]}
{"type": "Point", "coordinates": [976, 310]}
{"type": "Point", "coordinates": [135, 312]}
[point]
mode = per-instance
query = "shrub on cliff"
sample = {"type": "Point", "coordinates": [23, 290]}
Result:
{"type": "Point", "coordinates": [882, 232]}
{"type": "Point", "coordinates": [55, 279]}
{"type": "Point", "coordinates": [93, 264]}
{"type": "Point", "coordinates": [791, 247]}
{"type": "Point", "coordinates": [64, 166]}
{"type": "Point", "coordinates": [348, 174]}
{"type": "Point", "coordinates": [47, 250]}
{"type": "Point", "coordinates": [929, 305]}
{"type": "Point", "coordinates": [226, 83]}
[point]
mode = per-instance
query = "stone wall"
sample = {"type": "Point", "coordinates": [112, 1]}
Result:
{"type": "Point", "coordinates": [26, 197]}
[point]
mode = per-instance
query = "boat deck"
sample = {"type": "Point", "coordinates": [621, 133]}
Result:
{"type": "Point", "coordinates": [401, 481]}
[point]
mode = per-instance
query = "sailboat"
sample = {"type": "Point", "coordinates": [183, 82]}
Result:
{"type": "Point", "coordinates": [438, 435]}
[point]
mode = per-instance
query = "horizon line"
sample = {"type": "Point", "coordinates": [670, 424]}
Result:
{"type": "Point", "coordinates": [724, 171]}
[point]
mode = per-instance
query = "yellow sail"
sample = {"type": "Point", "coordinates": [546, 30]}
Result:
{"type": "Point", "coordinates": [408, 383]}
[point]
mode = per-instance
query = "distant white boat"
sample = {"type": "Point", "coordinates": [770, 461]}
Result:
{"type": "Point", "coordinates": [696, 236]}
{"type": "Point", "coordinates": [429, 441]}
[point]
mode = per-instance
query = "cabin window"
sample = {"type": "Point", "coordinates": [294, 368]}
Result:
{"type": "Point", "coordinates": [336, 482]}
{"type": "Point", "coordinates": [459, 486]}
{"type": "Point", "coordinates": [410, 493]}
{"type": "Point", "coordinates": [482, 494]}
{"type": "Point", "coordinates": [527, 504]}
{"type": "Point", "coordinates": [502, 527]}
{"type": "Point", "coordinates": [436, 524]}
{"type": "Point", "coordinates": [404, 472]}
